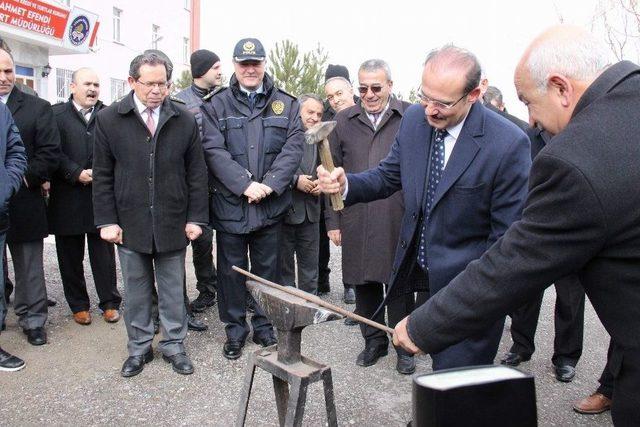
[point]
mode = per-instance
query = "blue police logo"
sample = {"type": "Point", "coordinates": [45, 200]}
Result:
{"type": "Point", "coordinates": [79, 30]}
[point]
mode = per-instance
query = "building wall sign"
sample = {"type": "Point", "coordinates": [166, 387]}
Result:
{"type": "Point", "coordinates": [34, 16]}
{"type": "Point", "coordinates": [75, 29]}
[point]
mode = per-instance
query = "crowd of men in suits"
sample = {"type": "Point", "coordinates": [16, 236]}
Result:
{"type": "Point", "coordinates": [448, 227]}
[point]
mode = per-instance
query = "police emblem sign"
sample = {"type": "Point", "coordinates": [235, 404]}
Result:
{"type": "Point", "coordinates": [81, 27]}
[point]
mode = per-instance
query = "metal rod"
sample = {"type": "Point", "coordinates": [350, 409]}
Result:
{"type": "Point", "coordinates": [314, 299]}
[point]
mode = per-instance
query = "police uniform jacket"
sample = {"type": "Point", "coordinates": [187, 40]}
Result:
{"type": "Point", "coordinates": [70, 207]}
{"type": "Point", "coordinates": [241, 146]}
{"type": "Point", "coordinates": [150, 185]}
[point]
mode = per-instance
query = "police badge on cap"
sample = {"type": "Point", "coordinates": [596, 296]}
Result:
{"type": "Point", "coordinates": [248, 50]}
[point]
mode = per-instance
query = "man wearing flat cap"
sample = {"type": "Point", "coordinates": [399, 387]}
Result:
{"type": "Point", "coordinates": [206, 71]}
{"type": "Point", "coordinates": [252, 138]}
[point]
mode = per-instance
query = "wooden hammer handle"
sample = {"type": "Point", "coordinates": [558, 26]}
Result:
{"type": "Point", "coordinates": [327, 163]}
{"type": "Point", "coordinates": [314, 299]}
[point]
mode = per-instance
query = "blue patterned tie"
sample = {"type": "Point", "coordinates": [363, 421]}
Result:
{"type": "Point", "coordinates": [436, 168]}
{"type": "Point", "coordinates": [252, 99]}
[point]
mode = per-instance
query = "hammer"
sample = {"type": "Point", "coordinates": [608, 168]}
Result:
{"type": "Point", "coordinates": [318, 135]}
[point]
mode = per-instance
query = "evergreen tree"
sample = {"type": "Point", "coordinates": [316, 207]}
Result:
{"type": "Point", "coordinates": [297, 73]}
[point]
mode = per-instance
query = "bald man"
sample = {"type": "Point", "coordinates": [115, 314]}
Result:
{"type": "Point", "coordinates": [71, 207]}
{"type": "Point", "coordinates": [463, 171]}
{"type": "Point", "coordinates": [581, 215]}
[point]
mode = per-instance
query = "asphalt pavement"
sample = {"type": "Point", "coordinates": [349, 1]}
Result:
{"type": "Point", "coordinates": [75, 378]}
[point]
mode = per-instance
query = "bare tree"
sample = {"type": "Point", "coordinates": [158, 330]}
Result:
{"type": "Point", "coordinates": [619, 20]}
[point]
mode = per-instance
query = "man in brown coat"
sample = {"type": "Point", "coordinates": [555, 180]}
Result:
{"type": "Point", "coordinates": [368, 232]}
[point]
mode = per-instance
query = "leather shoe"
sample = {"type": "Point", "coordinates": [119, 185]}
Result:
{"type": "Point", "coordinates": [370, 355]}
{"type": "Point", "coordinates": [51, 302]}
{"type": "Point", "coordinates": [135, 364]}
{"type": "Point", "coordinates": [195, 325]}
{"type": "Point", "coordinates": [36, 336]}
{"type": "Point", "coordinates": [514, 359]}
{"type": "Point", "coordinates": [264, 340]}
{"type": "Point", "coordinates": [204, 300]}
{"type": "Point", "coordinates": [350, 322]}
{"type": "Point", "coordinates": [406, 364]}
{"type": "Point", "coordinates": [349, 296]}
{"type": "Point", "coordinates": [565, 373]}
{"type": "Point", "coordinates": [597, 403]}
{"type": "Point", "coordinates": [232, 349]}
{"type": "Point", "coordinates": [9, 362]}
{"type": "Point", "coordinates": [180, 363]}
{"type": "Point", "coordinates": [111, 315]}
{"type": "Point", "coordinates": [82, 317]}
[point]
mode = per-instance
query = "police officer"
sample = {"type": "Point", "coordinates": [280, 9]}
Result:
{"type": "Point", "coordinates": [207, 78]}
{"type": "Point", "coordinates": [252, 138]}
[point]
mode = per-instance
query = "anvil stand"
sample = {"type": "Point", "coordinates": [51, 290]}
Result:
{"type": "Point", "coordinates": [291, 371]}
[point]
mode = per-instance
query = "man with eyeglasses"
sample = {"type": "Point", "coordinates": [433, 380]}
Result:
{"type": "Point", "coordinates": [150, 198]}
{"type": "Point", "coordinates": [463, 172]}
{"type": "Point", "coordinates": [339, 96]}
{"type": "Point", "coordinates": [253, 142]}
{"type": "Point", "coordinates": [367, 233]}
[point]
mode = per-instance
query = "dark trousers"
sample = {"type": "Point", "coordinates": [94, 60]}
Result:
{"type": "Point", "coordinates": [606, 378]}
{"type": "Point", "coordinates": [3, 270]}
{"type": "Point", "coordinates": [369, 296]}
{"type": "Point", "coordinates": [300, 240]}
{"type": "Point", "coordinates": [30, 302]}
{"type": "Point", "coordinates": [568, 319]}
{"type": "Point", "coordinates": [206, 276]}
{"type": "Point", "coordinates": [625, 406]}
{"type": "Point", "coordinates": [324, 254]}
{"type": "Point", "coordinates": [70, 250]}
{"type": "Point", "coordinates": [8, 286]}
{"type": "Point", "coordinates": [263, 248]}
{"type": "Point", "coordinates": [139, 272]}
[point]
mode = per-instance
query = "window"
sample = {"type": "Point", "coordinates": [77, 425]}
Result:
{"type": "Point", "coordinates": [155, 37]}
{"type": "Point", "coordinates": [185, 50]}
{"type": "Point", "coordinates": [63, 80]}
{"type": "Point", "coordinates": [118, 89]}
{"type": "Point", "coordinates": [117, 16]}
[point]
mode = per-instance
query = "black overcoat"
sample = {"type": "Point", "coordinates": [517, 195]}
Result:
{"type": "Point", "coordinates": [151, 186]}
{"type": "Point", "coordinates": [70, 206]}
{"type": "Point", "coordinates": [39, 133]}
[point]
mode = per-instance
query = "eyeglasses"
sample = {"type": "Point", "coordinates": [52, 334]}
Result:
{"type": "Point", "coordinates": [151, 85]}
{"type": "Point", "coordinates": [376, 89]}
{"type": "Point", "coordinates": [439, 104]}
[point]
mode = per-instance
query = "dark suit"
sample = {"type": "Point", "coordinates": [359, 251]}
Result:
{"type": "Point", "coordinates": [581, 217]}
{"type": "Point", "coordinates": [481, 193]}
{"type": "Point", "coordinates": [71, 214]}
{"type": "Point", "coordinates": [569, 307]}
{"type": "Point", "coordinates": [27, 209]}
{"type": "Point", "coordinates": [300, 231]}
{"type": "Point", "coordinates": [151, 186]}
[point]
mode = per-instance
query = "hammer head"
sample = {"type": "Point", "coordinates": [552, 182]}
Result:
{"type": "Point", "coordinates": [319, 132]}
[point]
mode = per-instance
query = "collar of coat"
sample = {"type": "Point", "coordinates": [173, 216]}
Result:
{"type": "Point", "coordinates": [605, 83]}
{"type": "Point", "coordinates": [394, 105]}
{"type": "Point", "coordinates": [99, 105]}
{"type": "Point", "coordinates": [127, 105]}
{"type": "Point", "coordinates": [267, 86]}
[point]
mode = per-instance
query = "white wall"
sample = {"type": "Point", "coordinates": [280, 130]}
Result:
{"type": "Point", "coordinates": [111, 59]}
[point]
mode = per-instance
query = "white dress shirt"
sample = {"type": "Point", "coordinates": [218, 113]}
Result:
{"type": "Point", "coordinates": [141, 107]}
{"type": "Point", "coordinates": [450, 140]}
{"type": "Point", "coordinates": [5, 98]}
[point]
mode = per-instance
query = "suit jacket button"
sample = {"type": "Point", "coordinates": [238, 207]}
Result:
{"type": "Point", "coordinates": [403, 244]}
{"type": "Point", "coordinates": [414, 216]}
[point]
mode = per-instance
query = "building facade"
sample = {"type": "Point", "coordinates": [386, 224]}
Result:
{"type": "Point", "coordinates": [123, 29]}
